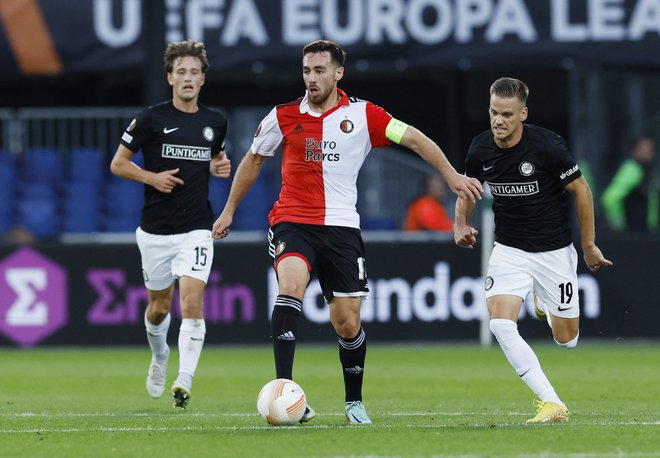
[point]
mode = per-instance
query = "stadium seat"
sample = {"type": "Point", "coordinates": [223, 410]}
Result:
{"type": "Point", "coordinates": [122, 224]}
{"type": "Point", "coordinates": [6, 214]}
{"type": "Point", "coordinates": [42, 165]}
{"type": "Point", "coordinates": [87, 165]}
{"type": "Point", "coordinates": [378, 223]}
{"type": "Point", "coordinates": [218, 192]}
{"type": "Point", "coordinates": [81, 207]}
{"type": "Point", "coordinates": [36, 190]}
{"type": "Point", "coordinates": [81, 192]}
{"type": "Point", "coordinates": [39, 215]}
{"type": "Point", "coordinates": [123, 196]}
{"type": "Point", "coordinates": [7, 161]}
{"type": "Point", "coordinates": [78, 222]}
{"type": "Point", "coordinates": [8, 168]}
{"type": "Point", "coordinates": [7, 189]}
{"type": "Point", "coordinates": [123, 204]}
{"type": "Point", "coordinates": [252, 213]}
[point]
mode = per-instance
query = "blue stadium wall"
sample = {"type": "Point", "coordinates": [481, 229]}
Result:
{"type": "Point", "coordinates": [92, 294]}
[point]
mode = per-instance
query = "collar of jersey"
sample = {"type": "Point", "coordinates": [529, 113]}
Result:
{"type": "Point", "coordinates": [304, 105]}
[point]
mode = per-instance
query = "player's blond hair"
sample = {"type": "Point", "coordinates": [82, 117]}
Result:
{"type": "Point", "coordinates": [510, 87]}
{"type": "Point", "coordinates": [187, 48]}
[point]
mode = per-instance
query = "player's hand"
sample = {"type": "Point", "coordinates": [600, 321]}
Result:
{"type": "Point", "coordinates": [221, 226]}
{"type": "Point", "coordinates": [220, 166]}
{"type": "Point", "coordinates": [166, 181]}
{"type": "Point", "coordinates": [465, 187]}
{"type": "Point", "coordinates": [465, 236]}
{"type": "Point", "coordinates": [595, 259]}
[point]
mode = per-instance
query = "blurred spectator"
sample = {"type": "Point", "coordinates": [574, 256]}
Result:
{"type": "Point", "coordinates": [18, 235]}
{"type": "Point", "coordinates": [631, 200]}
{"type": "Point", "coordinates": [427, 212]}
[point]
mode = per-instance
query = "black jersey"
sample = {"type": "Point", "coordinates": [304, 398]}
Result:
{"type": "Point", "coordinates": [527, 182]}
{"type": "Point", "coordinates": [171, 139]}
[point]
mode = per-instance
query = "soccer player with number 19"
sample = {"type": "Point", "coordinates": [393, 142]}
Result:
{"type": "Point", "coordinates": [314, 227]}
{"type": "Point", "coordinates": [529, 169]}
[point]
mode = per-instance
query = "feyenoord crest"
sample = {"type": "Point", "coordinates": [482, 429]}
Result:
{"type": "Point", "coordinates": [279, 248]}
{"type": "Point", "coordinates": [526, 168]}
{"type": "Point", "coordinates": [346, 126]}
{"type": "Point", "coordinates": [208, 133]}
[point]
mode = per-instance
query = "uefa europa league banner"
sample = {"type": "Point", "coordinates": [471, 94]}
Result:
{"type": "Point", "coordinates": [419, 291]}
{"type": "Point", "coordinates": [92, 36]}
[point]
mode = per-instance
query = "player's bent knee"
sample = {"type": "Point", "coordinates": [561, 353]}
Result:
{"type": "Point", "coordinates": [571, 343]}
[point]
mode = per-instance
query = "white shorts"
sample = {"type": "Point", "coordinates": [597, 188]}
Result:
{"type": "Point", "coordinates": [552, 275]}
{"type": "Point", "coordinates": [168, 257]}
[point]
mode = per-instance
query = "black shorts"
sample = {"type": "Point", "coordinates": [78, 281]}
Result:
{"type": "Point", "coordinates": [334, 253]}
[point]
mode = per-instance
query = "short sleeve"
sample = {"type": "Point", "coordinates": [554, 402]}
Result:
{"type": "Point", "coordinates": [471, 164]}
{"type": "Point", "coordinates": [268, 135]}
{"type": "Point", "coordinates": [219, 144]}
{"type": "Point", "coordinates": [564, 166]}
{"type": "Point", "coordinates": [378, 119]}
{"type": "Point", "coordinates": [138, 132]}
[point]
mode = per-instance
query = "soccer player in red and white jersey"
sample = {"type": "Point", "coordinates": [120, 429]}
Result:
{"type": "Point", "coordinates": [314, 226]}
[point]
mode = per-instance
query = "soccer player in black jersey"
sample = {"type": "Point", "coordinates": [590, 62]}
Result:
{"type": "Point", "coordinates": [181, 141]}
{"type": "Point", "coordinates": [529, 169]}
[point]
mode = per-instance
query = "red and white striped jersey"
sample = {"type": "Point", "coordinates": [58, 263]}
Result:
{"type": "Point", "coordinates": [321, 158]}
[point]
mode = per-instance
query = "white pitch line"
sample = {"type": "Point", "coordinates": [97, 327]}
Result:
{"type": "Point", "coordinates": [255, 414]}
{"type": "Point", "coordinates": [248, 414]}
{"type": "Point", "coordinates": [297, 428]}
{"type": "Point", "coordinates": [226, 414]}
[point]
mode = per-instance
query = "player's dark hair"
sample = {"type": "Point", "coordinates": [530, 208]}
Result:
{"type": "Point", "coordinates": [187, 48]}
{"type": "Point", "coordinates": [510, 87]}
{"type": "Point", "coordinates": [337, 55]}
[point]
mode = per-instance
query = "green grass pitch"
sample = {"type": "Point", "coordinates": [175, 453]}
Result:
{"type": "Point", "coordinates": [436, 400]}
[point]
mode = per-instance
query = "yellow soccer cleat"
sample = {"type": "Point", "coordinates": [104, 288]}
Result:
{"type": "Point", "coordinates": [548, 412]}
{"type": "Point", "coordinates": [538, 311]}
{"type": "Point", "coordinates": [180, 397]}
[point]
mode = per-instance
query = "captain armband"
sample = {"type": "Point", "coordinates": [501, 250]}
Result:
{"type": "Point", "coordinates": [395, 130]}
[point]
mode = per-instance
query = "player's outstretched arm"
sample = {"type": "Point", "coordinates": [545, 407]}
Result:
{"type": "Point", "coordinates": [584, 207]}
{"type": "Point", "coordinates": [246, 174]}
{"type": "Point", "coordinates": [464, 235]}
{"type": "Point", "coordinates": [462, 186]}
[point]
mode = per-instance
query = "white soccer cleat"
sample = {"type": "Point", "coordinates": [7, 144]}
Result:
{"type": "Point", "coordinates": [308, 415]}
{"type": "Point", "coordinates": [157, 376]}
{"type": "Point", "coordinates": [356, 413]}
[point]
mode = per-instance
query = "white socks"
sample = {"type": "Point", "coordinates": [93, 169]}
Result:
{"type": "Point", "coordinates": [157, 336]}
{"type": "Point", "coordinates": [191, 341]}
{"type": "Point", "coordinates": [570, 343]}
{"type": "Point", "coordinates": [523, 359]}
